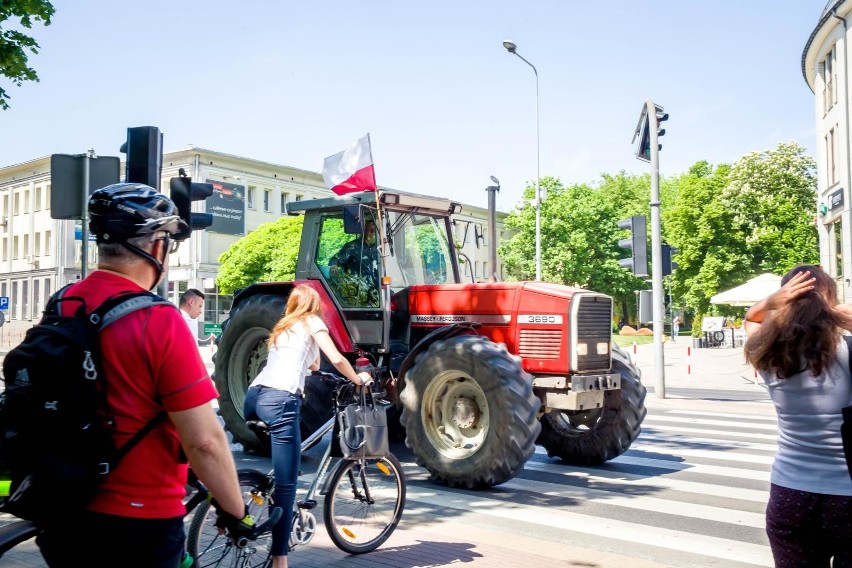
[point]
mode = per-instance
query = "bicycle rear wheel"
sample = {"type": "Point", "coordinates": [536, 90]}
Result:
{"type": "Point", "coordinates": [364, 504]}
{"type": "Point", "coordinates": [211, 549]}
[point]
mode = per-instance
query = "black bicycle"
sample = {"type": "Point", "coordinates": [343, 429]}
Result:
{"type": "Point", "coordinates": [364, 500]}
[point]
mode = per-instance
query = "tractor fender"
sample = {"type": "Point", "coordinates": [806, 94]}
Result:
{"type": "Point", "coordinates": [463, 328]}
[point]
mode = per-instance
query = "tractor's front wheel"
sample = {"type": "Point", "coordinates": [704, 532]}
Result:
{"type": "Point", "coordinates": [592, 437]}
{"type": "Point", "coordinates": [469, 412]}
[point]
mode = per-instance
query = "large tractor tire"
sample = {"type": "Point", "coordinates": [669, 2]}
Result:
{"type": "Point", "coordinates": [469, 412]}
{"type": "Point", "coordinates": [592, 437]}
{"type": "Point", "coordinates": [242, 355]}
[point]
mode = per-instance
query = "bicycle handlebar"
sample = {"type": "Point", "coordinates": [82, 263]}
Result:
{"type": "Point", "coordinates": [274, 516]}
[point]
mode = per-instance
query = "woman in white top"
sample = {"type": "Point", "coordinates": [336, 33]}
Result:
{"type": "Point", "coordinates": [795, 342]}
{"type": "Point", "coordinates": [275, 396]}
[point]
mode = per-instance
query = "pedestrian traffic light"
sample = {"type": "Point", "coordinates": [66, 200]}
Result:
{"type": "Point", "coordinates": [666, 261]}
{"type": "Point", "coordinates": [637, 244]}
{"type": "Point", "coordinates": [183, 192]}
{"type": "Point", "coordinates": [144, 149]}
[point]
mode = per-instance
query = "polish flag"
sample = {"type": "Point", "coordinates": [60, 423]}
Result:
{"type": "Point", "coordinates": [351, 170]}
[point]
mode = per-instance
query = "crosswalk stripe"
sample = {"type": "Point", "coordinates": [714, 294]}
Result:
{"type": "Point", "coordinates": [727, 456]}
{"type": "Point", "coordinates": [647, 436]}
{"type": "Point", "coordinates": [772, 419]}
{"type": "Point", "coordinates": [643, 503]}
{"type": "Point", "coordinates": [661, 482]}
{"type": "Point", "coordinates": [675, 428]}
{"type": "Point", "coordinates": [704, 422]}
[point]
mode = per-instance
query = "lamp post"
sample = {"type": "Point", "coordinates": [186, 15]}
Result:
{"type": "Point", "coordinates": [512, 48]}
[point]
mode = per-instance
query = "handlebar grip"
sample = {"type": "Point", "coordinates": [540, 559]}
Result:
{"type": "Point", "coordinates": [274, 516]}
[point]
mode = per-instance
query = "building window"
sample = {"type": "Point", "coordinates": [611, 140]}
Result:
{"type": "Point", "coordinates": [17, 199]}
{"type": "Point", "coordinates": [47, 196]}
{"type": "Point", "coordinates": [298, 198]}
{"type": "Point", "coordinates": [829, 68]}
{"type": "Point", "coordinates": [250, 197]}
{"type": "Point", "coordinates": [267, 195]}
{"type": "Point", "coordinates": [37, 244]}
{"type": "Point", "coordinates": [5, 212]}
{"type": "Point", "coordinates": [285, 197]}
{"type": "Point", "coordinates": [37, 204]}
{"type": "Point", "coordinates": [14, 247]}
{"type": "Point", "coordinates": [47, 243]}
{"type": "Point", "coordinates": [26, 245]}
{"type": "Point", "coordinates": [830, 158]}
{"type": "Point", "coordinates": [26, 201]}
{"type": "Point", "coordinates": [4, 255]}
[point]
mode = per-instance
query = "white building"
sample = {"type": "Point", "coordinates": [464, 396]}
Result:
{"type": "Point", "coordinates": [39, 254]}
{"type": "Point", "coordinates": [825, 66]}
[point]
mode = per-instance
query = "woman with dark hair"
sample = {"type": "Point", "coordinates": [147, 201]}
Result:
{"type": "Point", "coordinates": [795, 343]}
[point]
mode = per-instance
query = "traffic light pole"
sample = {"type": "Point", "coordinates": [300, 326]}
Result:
{"type": "Point", "coordinates": [658, 313]}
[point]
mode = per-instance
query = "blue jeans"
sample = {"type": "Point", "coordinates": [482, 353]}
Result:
{"type": "Point", "coordinates": [280, 410]}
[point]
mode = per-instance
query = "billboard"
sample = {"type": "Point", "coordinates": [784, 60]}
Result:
{"type": "Point", "coordinates": [227, 204]}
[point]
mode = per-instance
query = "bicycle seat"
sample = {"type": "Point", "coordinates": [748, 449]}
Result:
{"type": "Point", "coordinates": [258, 426]}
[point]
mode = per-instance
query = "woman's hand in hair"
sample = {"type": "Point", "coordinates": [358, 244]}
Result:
{"type": "Point", "coordinates": [799, 284]}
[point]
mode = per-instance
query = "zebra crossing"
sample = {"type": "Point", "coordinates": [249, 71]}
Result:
{"type": "Point", "coordinates": [690, 492]}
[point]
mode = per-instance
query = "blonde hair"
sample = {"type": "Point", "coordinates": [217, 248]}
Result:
{"type": "Point", "coordinates": [303, 302]}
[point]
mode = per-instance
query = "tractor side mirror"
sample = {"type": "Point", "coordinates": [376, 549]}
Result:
{"type": "Point", "coordinates": [352, 220]}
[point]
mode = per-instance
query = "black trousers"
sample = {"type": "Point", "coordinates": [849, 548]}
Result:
{"type": "Point", "coordinates": [96, 540]}
{"type": "Point", "coordinates": [808, 530]}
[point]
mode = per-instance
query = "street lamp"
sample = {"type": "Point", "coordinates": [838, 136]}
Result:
{"type": "Point", "coordinates": [512, 48]}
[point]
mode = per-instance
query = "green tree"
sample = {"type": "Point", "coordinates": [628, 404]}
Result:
{"type": "Point", "coordinates": [266, 255]}
{"type": "Point", "coordinates": [772, 195]}
{"type": "Point", "coordinates": [734, 222]}
{"type": "Point", "coordinates": [15, 45]}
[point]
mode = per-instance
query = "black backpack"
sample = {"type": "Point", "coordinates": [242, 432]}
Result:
{"type": "Point", "coordinates": [57, 434]}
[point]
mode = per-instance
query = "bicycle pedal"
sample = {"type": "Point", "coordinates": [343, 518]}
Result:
{"type": "Point", "coordinates": [309, 504]}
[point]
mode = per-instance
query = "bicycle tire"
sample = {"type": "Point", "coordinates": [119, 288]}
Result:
{"type": "Point", "coordinates": [210, 549]}
{"type": "Point", "coordinates": [354, 525]}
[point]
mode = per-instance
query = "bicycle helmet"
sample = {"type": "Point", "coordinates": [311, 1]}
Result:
{"type": "Point", "coordinates": [127, 210]}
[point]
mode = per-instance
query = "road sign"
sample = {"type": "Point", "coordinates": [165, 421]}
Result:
{"type": "Point", "coordinates": [215, 328]}
{"type": "Point", "coordinates": [66, 180]}
{"type": "Point", "coordinates": [4, 302]}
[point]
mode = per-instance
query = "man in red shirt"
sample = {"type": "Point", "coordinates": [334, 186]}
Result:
{"type": "Point", "coordinates": [151, 363]}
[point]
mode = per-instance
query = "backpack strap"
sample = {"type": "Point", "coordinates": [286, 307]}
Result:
{"type": "Point", "coordinates": [119, 306]}
{"type": "Point", "coordinates": [110, 311]}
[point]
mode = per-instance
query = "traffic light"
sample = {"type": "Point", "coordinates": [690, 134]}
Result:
{"type": "Point", "coordinates": [666, 261]}
{"type": "Point", "coordinates": [183, 192]}
{"type": "Point", "coordinates": [637, 244]}
{"type": "Point", "coordinates": [643, 152]}
{"type": "Point", "coordinates": [144, 149]}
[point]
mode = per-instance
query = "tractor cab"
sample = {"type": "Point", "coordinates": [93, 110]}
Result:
{"type": "Point", "coordinates": [369, 248]}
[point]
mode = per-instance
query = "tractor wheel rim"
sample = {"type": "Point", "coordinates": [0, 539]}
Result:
{"type": "Point", "coordinates": [244, 369]}
{"type": "Point", "coordinates": [455, 414]}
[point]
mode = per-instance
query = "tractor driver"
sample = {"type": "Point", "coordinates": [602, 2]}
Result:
{"type": "Point", "coordinates": [359, 256]}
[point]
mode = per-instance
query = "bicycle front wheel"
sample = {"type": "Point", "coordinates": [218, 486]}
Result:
{"type": "Point", "coordinates": [211, 549]}
{"type": "Point", "coordinates": [364, 504]}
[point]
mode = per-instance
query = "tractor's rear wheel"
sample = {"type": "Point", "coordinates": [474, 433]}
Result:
{"type": "Point", "coordinates": [242, 355]}
{"type": "Point", "coordinates": [469, 412]}
{"type": "Point", "coordinates": [592, 437]}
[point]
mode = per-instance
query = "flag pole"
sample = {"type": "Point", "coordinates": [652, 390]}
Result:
{"type": "Point", "coordinates": [381, 228]}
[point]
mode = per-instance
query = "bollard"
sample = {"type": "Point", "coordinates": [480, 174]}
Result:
{"type": "Point", "coordinates": [688, 362]}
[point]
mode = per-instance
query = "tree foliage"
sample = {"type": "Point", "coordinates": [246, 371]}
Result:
{"type": "Point", "coordinates": [16, 45]}
{"type": "Point", "coordinates": [734, 222]}
{"type": "Point", "coordinates": [266, 255]}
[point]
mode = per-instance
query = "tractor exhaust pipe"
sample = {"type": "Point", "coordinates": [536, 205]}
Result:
{"type": "Point", "coordinates": [492, 227]}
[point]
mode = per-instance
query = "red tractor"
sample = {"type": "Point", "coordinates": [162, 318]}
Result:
{"type": "Point", "coordinates": [480, 372]}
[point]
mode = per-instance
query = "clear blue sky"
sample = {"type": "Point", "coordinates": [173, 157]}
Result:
{"type": "Point", "coordinates": [445, 104]}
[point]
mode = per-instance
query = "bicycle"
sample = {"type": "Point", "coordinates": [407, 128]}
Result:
{"type": "Point", "coordinates": [364, 500]}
